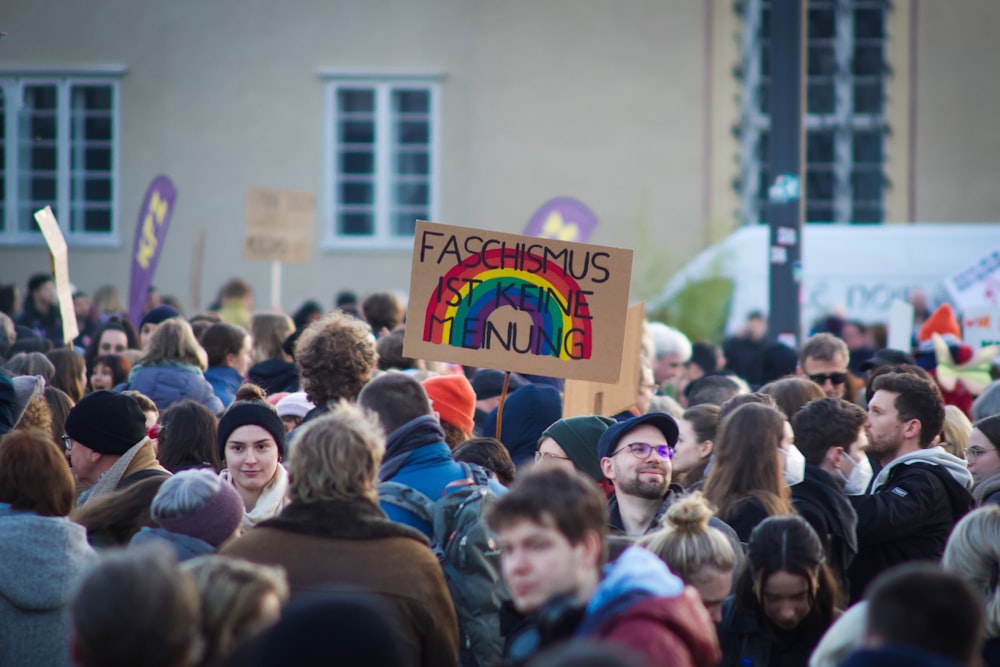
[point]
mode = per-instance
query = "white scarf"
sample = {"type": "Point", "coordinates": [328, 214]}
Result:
{"type": "Point", "coordinates": [271, 501]}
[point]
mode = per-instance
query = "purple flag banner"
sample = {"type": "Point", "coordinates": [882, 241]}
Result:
{"type": "Point", "coordinates": [150, 233]}
{"type": "Point", "coordinates": [564, 219]}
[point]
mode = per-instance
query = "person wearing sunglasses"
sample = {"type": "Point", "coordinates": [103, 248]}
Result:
{"type": "Point", "coordinates": [635, 455]}
{"type": "Point", "coordinates": [823, 359]}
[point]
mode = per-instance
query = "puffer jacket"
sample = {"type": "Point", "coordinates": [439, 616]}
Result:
{"type": "Point", "coordinates": [166, 384]}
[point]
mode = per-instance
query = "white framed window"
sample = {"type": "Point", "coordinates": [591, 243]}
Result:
{"type": "Point", "coordinates": [845, 117]}
{"type": "Point", "coordinates": [59, 147]}
{"type": "Point", "coordinates": [381, 158]}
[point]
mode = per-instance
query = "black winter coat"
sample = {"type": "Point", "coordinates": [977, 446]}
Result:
{"type": "Point", "coordinates": [825, 506]}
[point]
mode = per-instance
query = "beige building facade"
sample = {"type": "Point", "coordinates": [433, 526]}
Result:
{"type": "Point", "coordinates": [468, 112]}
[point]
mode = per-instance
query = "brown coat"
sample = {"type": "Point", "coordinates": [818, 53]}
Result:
{"type": "Point", "coordinates": [336, 543]}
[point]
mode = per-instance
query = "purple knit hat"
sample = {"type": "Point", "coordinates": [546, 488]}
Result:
{"type": "Point", "coordinates": [199, 504]}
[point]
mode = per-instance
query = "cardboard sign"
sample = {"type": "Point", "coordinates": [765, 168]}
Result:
{"type": "Point", "coordinates": [978, 285]}
{"type": "Point", "coordinates": [900, 329]}
{"type": "Point", "coordinates": [279, 225]}
{"type": "Point", "coordinates": [60, 271]}
{"type": "Point", "coordinates": [981, 326]}
{"type": "Point", "coordinates": [581, 397]}
{"type": "Point", "coordinates": [517, 303]}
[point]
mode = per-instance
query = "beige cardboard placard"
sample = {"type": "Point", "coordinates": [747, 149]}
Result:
{"type": "Point", "coordinates": [581, 397]}
{"type": "Point", "coordinates": [517, 303]}
{"type": "Point", "coordinates": [60, 271]}
{"type": "Point", "coordinates": [279, 225]}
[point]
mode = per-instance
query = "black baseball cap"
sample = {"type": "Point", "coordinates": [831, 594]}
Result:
{"type": "Point", "coordinates": [887, 357]}
{"type": "Point", "coordinates": [662, 421]}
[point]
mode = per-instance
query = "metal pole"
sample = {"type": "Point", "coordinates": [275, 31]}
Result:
{"type": "Point", "coordinates": [786, 165]}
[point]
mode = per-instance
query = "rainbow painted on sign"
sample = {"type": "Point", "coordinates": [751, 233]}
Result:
{"type": "Point", "coordinates": [459, 309]}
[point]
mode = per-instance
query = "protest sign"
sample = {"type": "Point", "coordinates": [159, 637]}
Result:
{"type": "Point", "coordinates": [517, 303]}
{"type": "Point", "coordinates": [60, 271]}
{"type": "Point", "coordinates": [900, 325]}
{"type": "Point", "coordinates": [581, 397]}
{"type": "Point", "coordinates": [981, 326]}
{"type": "Point", "coordinates": [150, 234]}
{"type": "Point", "coordinates": [978, 284]}
{"type": "Point", "coordinates": [562, 218]}
{"type": "Point", "coordinates": [279, 225]}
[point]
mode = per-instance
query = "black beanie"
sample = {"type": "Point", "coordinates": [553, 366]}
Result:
{"type": "Point", "coordinates": [251, 413]}
{"type": "Point", "coordinates": [106, 422]}
{"type": "Point", "coordinates": [159, 315]}
{"type": "Point", "coordinates": [578, 437]}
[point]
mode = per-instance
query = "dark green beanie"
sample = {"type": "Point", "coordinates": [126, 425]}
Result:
{"type": "Point", "coordinates": [578, 437]}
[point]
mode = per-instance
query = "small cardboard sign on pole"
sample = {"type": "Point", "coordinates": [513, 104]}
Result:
{"type": "Point", "coordinates": [60, 270]}
{"type": "Point", "coordinates": [581, 397]}
{"type": "Point", "coordinates": [279, 225]}
{"type": "Point", "coordinates": [900, 329]}
{"type": "Point", "coordinates": [517, 303]}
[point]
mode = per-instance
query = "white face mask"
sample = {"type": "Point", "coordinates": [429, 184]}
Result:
{"type": "Point", "coordinates": [857, 482]}
{"type": "Point", "coordinates": [795, 465]}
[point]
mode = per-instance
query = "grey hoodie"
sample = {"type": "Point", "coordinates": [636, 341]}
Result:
{"type": "Point", "coordinates": [42, 560]}
{"type": "Point", "coordinates": [957, 467]}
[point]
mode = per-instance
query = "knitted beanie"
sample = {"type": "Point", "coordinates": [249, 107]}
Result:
{"type": "Point", "coordinates": [578, 436]}
{"type": "Point", "coordinates": [199, 504]}
{"type": "Point", "coordinates": [106, 422]}
{"type": "Point", "coordinates": [453, 399]}
{"type": "Point", "coordinates": [251, 413]}
{"type": "Point", "coordinates": [294, 405]}
{"type": "Point", "coordinates": [26, 387]}
{"type": "Point", "coordinates": [159, 314]}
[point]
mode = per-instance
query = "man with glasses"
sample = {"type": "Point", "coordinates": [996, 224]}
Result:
{"type": "Point", "coordinates": [635, 455]}
{"type": "Point", "coordinates": [823, 359]}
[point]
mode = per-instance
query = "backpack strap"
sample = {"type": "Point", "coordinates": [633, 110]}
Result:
{"type": "Point", "coordinates": [407, 499]}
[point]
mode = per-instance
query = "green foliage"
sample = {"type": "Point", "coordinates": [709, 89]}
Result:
{"type": "Point", "coordinates": [700, 309]}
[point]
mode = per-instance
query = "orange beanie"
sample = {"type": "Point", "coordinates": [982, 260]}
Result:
{"type": "Point", "coordinates": [453, 399]}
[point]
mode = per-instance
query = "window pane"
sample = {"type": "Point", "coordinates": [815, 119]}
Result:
{"type": "Point", "coordinates": [411, 101]}
{"type": "Point", "coordinates": [412, 194]}
{"type": "Point", "coordinates": [866, 147]}
{"type": "Point", "coordinates": [92, 219]}
{"type": "Point", "coordinates": [868, 97]}
{"type": "Point", "coordinates": [819, 146]}
{"type": "Point", "coordinates": [413, 132]}
{"type": "Point", "coordinates": [351, 100]}
{"type": "Point", "coordinates": [92, 98]}
{"type": "Point", "coordinates": [91, 189]}
{"type": "Point", "coordinates": [763, 97]}
{"type": "Point", "coordinates": [821, 98]}
{"type": "Point", "coordinates": [417, 162]}
{"type": "Point", "coordinates": [403, 224]}
{"type": "Point", "coordinates": [822, 212]}
{"type": "Point", "coordinates": [357, 193]}
{"type": "Point", "coordinates": [97, 159]}
{"type": "Point", "coordinates": [357, 162]}
{"type": "Point", "coordinates": [357, 132]}
{"type": "Point", "coordinates": [869, 23]}
{"type": "Point", "coordinates": [868, 61]}
{"type": "Point", "coordinates": [867, 214]}
{"type": "Point", "coordinates": [822, 60]}
{"type": "Point", "coordinates": [867, 185]}
{"type": "Point", "coordinates": [819, 185]}
{"type": "Point", "coordinates": [356, 224]}
{"type": "Point", "coordinates": [822, 23]}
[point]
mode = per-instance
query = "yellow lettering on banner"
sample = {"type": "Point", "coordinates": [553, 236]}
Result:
{"type": "Point", "coordinates": [147, 243]}
{"type": "Point", "coordinates": [555, 228]}
{"type": "Point", "coordinates": [158, 207]}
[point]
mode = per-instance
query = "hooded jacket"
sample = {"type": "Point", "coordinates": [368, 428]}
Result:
{"type": "Point", "coordinates": [275, 375]}
{"type": "Point", "coordinates": [42, 560]}
{"type": "Point", "coordinates": [526, 414]}
{"type": "Point", "coordinates": [644, 606]}
{"type": "Point", "coordinates": [913, 504]}
{"type": "Point", "coordinates": [824, 505]}
{"type": "Point", "coordinates": [166, 384]}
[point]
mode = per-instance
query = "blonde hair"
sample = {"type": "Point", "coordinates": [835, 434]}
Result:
{"type": "Point", "coordinates": [336, 457]}
{"type": "Point", "coordinates": [174, 341]}
{"type": "Point", "coordinates": [973, 553]}
{"type": "Point", "coordinates": [231, 591]}
{"type": "Point", "coordinates": [956, 431]}
{"type": "Point", "coordinates": [687, 544]}
{"type": "Point", "coordinates": [269, 331]}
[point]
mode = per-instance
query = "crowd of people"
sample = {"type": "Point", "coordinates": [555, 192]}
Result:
{"type": "Point", "coordinates": [238, 488]}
